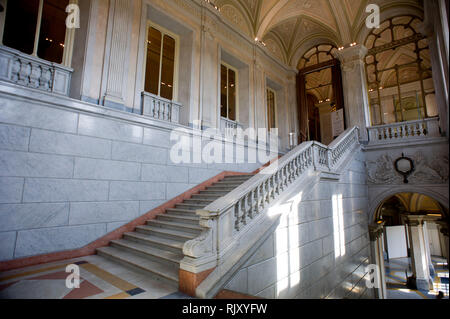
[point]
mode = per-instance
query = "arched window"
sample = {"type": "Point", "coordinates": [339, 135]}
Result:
{"type": "Point", "coordinates": [398, 70]}
{"type": "Point", "coordinates": [319, 83]}
{"type": "Point", "coordinates": [318, 54]}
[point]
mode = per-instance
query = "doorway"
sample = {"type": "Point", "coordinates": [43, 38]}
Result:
{"type": "Point", "coordinates": [412, 248]}
{"type": "Point", "coordinates": [320, 95]}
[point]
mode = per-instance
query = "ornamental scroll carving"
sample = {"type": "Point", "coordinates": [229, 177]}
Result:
{"type": "Point", "coordinates": [432, 170]}
{"type": "Point", "coordinates": [202, 245]}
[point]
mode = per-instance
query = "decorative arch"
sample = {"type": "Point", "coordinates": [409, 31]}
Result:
{"type": "Point", "coordinates": [228, 8]}
{"type": "Point", "coordinates": [307, 44]}
{"type": "Point", "coordinates": [274, 43]}
{"type": "Point", "coordinates": [317, 54]}
{"type": "Point", "coordinates": [321, 32]}
{"type": "Point", "coordinates": [380, 199]}
{"type": "Point", "coordinates": [387, 11]}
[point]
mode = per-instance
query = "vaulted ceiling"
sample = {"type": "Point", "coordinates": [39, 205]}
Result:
{"type": "Point", "coordinates": [290, 27]}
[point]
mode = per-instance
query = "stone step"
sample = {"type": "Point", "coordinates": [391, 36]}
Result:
{"type": "Point", "coordinates": [220, 187]}
{"type": "Point", "coordinates": [237, 177]}
{"type": "Point", "coordinates": [182, 219]}
{"type": "Point", "coordinates": [165, 233]}
{"type": "Point", "coordinates": [189, 228]}
{"type": "Point", "coordinates": [204, 202]}
{"type": "Point", "coordinates": [229, 183]}
{"type": "Point", "coordinates": [158, 255]}
{"type": "Point", "coordinates": [218, 193]}
{"type": "Point", "coordinates": [211, 197]}
{"type": "Point", "coordinates": [189, 206]}
{"type": "Point", "coordinates": [167, 244]}
{"type": "Point", "coordinates": [155, 269]}
{"type": "Point", "coordinates": [181, 212]}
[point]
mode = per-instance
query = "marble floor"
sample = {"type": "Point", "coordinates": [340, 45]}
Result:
{"type": "Point", "coordinates": [396, 271]}
{"type": "Point", "coordinates": [99, 279]}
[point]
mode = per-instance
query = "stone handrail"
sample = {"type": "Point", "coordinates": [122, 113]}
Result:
{"type": "Point", "coordinates": [225, 219]}
{"type": "Point", "coordinates": [398, 132]}
{"type": "Point", "coordinates": [160, 108]}
{"type": "Point", "coordinates": [33, 72]}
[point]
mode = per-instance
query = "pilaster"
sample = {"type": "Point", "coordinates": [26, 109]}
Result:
{"type": "Point", "coordinates": [117, 50]}
{"type": "Point", "coordinates": [376, 252]}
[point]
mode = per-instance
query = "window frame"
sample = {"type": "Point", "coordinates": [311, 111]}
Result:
{"type": "Point", "coordinates": [163, 31]}
{"type": "Point", "coordinates": [236, 72]}
{"type": "Point", "coordinates": [274, 92]}
{"type": "Point", "coordinates": [374, 49]}
{"type": "Point", "coordinates": [68, 40]}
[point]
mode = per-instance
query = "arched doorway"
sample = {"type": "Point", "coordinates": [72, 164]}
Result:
{"type": "Point", "coordinates": [320, 94]}
{"type": "Point", "coordinates": [409, 240]}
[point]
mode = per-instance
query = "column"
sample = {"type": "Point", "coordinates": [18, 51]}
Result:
{"type": "Point", "coordinates": [426, 237]}
{"type": "Point", "coordinates": [435, 28]}
{"type": "Point", "coordinates": [114, 83]}
{"type": "Point", "coordinates": [443, 238]}
{"type": "Point", "coordinates": [376, 253]}
{"type": "Point", "coordinates": [355, 88]}
{"type": "Point", "coordinates": [419, 253]}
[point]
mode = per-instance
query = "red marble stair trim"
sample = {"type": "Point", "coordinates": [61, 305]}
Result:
{"type": "Point", "coordinates": [188, 281]}
{"type": "Point", "coordinates": [90, 249]}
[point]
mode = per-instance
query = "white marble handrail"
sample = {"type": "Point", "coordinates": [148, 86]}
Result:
{"type": "Point", "coordinates": [160, 108]}
{"type": "Point", "coordinates": [224, 219]}
{"type": "Point", "coordinates": [398, 132]}
{"type": "Point", "coordinates": [33, 72]}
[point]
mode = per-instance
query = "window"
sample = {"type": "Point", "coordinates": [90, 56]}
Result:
{"type": "Point", "coordinates": [318, 54]}
{"type": "Point", "coordinates": [398, 70]}
{"type": "Point", "coordinates": [228, 90]}
{"type": "Point", "coordinates": [271, 114]}
{"type": "Point", "coordinates": [37, 27]}
{"type": "Point", "coordinates": [160, 67]}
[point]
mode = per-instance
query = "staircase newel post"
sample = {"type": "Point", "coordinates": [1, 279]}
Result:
{"type": "Point", "coordinates": [330, 157]}
{"type": "Point", "coordinates": [316, 156]}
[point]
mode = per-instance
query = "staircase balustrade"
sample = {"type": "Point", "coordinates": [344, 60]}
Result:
{"type": "Point", "coordinates": [403, 131]}
{"type": "Point", "coordinates": [227, 218]}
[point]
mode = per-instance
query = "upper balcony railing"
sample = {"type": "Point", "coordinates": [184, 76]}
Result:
{"type": "Point", "coordinates": [33, 72]}
{"type": "Point", "coordinates": [404, 131]}
{"type": "Point", "coordinates": [229, 127]}
{"type": "Point", "coordinates": [160, 108]}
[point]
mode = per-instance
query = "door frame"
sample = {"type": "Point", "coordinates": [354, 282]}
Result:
{"type": "Point", "coordinates": [336, 79]}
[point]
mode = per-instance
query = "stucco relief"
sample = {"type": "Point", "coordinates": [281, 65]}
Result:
{"type": "Point", "coordinates": [428, 170]}
{"type": "Point", "coordinates": [233, 15]}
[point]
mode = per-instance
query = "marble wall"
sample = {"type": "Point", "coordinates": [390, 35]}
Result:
{"type": "Point", "coordinates": [71, 171]}
{"type": "Point", "coordinates": [205, 40]}
{"type": "Point", "coordinates": [320, 249]}
{"type": "Point", "coordinates": [430, 176]}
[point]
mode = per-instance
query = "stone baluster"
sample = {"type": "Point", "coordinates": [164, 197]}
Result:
{"type": "Point", "coordinates": [237, 214]}
{"type": "Point", "coordinates": [46, 79]}
{"type": "Point", "coordinates": [24, 73]}
{"type": "Point", "coordinates": [35, 75]}
{"type": "Point", "coordinates": [246, 210]}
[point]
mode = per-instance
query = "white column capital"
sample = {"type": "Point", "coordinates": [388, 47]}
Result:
{"type": "Point", "coordinates": [352, 54]}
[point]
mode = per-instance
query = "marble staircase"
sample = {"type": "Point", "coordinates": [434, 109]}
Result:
{"type": "Point", "coordinates": [157, 247]}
